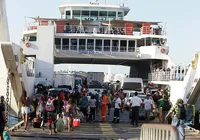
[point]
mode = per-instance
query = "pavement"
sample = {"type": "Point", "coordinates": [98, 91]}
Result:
{"type": "Point", "coordinates": [94, 131]}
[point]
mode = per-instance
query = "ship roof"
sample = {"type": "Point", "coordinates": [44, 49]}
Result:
{"type": "Point", "coordinates": [97, 6]}
{"type": "Point", "coordinates": [91, 22]}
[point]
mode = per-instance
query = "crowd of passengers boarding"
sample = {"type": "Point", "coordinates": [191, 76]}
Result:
{"type": "Point", "coordinates": [64, 109]}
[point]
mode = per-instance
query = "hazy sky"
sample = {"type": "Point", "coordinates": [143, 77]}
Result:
{"type": "Point", "coordinates": [182, 18]}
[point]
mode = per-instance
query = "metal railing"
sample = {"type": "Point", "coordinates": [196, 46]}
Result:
{"type": "Point", "coordinates": [174, 74]}
{"type": "Point", "coordinates": [158, 132]}
{"type": "Point", "coordinates": [83, 29]}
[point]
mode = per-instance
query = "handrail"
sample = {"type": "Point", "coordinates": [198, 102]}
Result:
{"type": "Point", "coordinates": [158, 132]}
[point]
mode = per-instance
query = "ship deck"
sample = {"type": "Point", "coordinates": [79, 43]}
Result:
{"type": "Point", "coordinates": [94, 131]}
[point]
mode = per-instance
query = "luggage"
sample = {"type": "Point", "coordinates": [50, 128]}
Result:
{"type": "Point", "coordinates": [36, 123]}
{"type": "Point", "coordinates": [76, 122]}
{"type": "Point", "coordinates": [60, 125]}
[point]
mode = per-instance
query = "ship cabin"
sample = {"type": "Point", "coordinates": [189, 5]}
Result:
{"type": "Point", "coordinates": [94, 27]}
{"type": "Point", "coordinates": [93, 12]}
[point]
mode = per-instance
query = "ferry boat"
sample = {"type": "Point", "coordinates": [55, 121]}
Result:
{"type": "Point", "coordinates": [96, 34]}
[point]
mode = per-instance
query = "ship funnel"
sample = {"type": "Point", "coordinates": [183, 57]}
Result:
{"type": "Point", "coordinates": [4, 34]}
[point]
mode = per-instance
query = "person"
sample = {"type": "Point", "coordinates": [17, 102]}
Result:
{"type": "Point", "coordinates": [25, 109]}
{"type": "Point", "coordinates": [109, 102]}
{"type": "Point", "coordinates": [92, 103]}
{"type": "Point", "coordinates": [103, 107]}
{"type": "Point", "coordinates": [99, 95]}
{"type": "Point", "coordinates": [84, 106]}
{"type": "Point", "coordinates": [166, 106]}
{"type": "Point", "coordinates": [2, 117]}
{"type": "Point", "coordinates": [135, 105]}
{"type": "Point", "coordinates": [179, 113]}
{"type": "Point", "coordinates": [148, 105]}
{"type": "Point", "coordinates": [117, 109]}
{"type": "Point", "coordinates": [70, 114]}
{"type": "Point", "coordinates": [51, 113]}
{"type": "Point", "coordinates": [121, 96]}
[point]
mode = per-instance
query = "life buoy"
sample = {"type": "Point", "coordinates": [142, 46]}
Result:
{"type": "Point", "coordinates": [28, 44]}
{"type": "Point", "coordinates": [163, 50]}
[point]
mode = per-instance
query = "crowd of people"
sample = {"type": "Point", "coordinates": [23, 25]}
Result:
{"type": "Point", "coordinates": [61, 109]}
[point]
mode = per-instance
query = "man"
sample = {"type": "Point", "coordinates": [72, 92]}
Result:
{"type": "Point", "coordinates": [135, 105]}
{"type": "Point", "coordinates": [104, 107]}
{"type": "Point", "coordinates": [117, 109]}
{"type": "Point", "coordinates": [148, 105]}
{"type": "Point", "coordinates": [2, 117]}
{"type": "Point", "coordinates": [166, 106]}
{"type": "Point", "coordinates": [179, 112]}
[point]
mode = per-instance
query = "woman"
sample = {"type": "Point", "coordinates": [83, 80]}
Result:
{"type": "Point", "coordinates": [70, 114]}
{"type": "Point", "coordinates": [25, 109]}
{"type": "Point", "coordinates": [51, 114]}
{"type": "Point", "coordinates": [103, 107]}
{"type": "Point", "coordinates": [92, 103]}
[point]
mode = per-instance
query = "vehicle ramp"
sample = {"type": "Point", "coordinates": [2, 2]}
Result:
{"type": "Point", "coordinates": [9, 68]}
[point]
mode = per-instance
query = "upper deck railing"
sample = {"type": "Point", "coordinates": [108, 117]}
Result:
{"type": "Point", "coordinates": [112, 30]}
{"type": "Point", "coordinates": [175, 73]}
{"type": "Point", "coordinates": [128, 29]}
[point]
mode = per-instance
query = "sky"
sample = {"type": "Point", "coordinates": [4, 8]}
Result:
{"type": "Point", "coordinates": [182, 18]}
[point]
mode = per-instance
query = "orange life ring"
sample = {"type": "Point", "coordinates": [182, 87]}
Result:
{"type": "Point", "coordinates": [28, 44]}
{"type": "Point", "coordinates": [163, 50]}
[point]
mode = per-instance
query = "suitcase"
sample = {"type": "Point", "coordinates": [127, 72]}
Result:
{"type": "Point", "coordinates": [36, 122]}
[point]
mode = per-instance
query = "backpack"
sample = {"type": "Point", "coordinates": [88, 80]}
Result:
{"type": "Point", "coordinates": [50, 105]}
{"type": "Point", "coordinates": [166, 106]}
{"type": "Point", "coordinates": [181, 112]}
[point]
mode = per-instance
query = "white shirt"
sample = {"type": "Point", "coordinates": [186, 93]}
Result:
{"type": "Point", "coordinates": [117, 102]}
{"type": "Point", "coordinates": [147, 104]}
{"type": "Point", "coordinates": [136, 101]}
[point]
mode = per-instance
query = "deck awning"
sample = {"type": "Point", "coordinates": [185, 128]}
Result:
{"type": "Point", "coordinates": [88, 22]}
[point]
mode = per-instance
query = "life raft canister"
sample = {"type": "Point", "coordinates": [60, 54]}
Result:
{"type": "Point", "coordinates": [163, 50]}
{"type": "Point", "coordinates": [28, 44]}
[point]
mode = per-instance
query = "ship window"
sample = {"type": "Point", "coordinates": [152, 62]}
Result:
{"type": "Point", "coordinates": [85, 15]}
{"type": "Point", "coordinates": [123, 44]}
{"type": "Point", "coordinates": [112, 15]}
{"type": "Point", "coordinates": [98, 45]}
{"type": "Point", "coordinates": [90, 44]}
{"type": "Point", "coordinates": [131, 45]}
{"type": "Point", "coordinates": [148, 41]}
{"type": "Point", "coordinates": [68, 13]}
{"type": "Point", "coordinates": [65, 45]}
{"type": "Point", "coordinates": [120, 15]}
{"type": "Point", "coordinates": [82, 44]}
{"type": "Point", "coordinates": [58, 43]}
{"type": "Point", "coordinates": [115, 45]}
{"type": "Point", "coordinates": [106, 45]}
{"type": "Point", "coordinates": [140, 42]}
{"type": "Point", "coordinates": [76, 14]}
{"type": "Point", "coordinates": [74, 44]}
{"type": "Point", "coordinates": [94, 15]}
{"type": "Point", "coordinates": [103, 15]}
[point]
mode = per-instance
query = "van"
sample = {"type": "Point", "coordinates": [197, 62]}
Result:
{"type": "Point", "coordinates": [130, 86]}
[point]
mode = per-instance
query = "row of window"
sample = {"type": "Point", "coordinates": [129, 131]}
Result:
{"type": "Point", "coordinates": [95, 44]}
{"type": "Point", "coordinates": [94, 15]}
